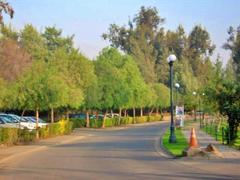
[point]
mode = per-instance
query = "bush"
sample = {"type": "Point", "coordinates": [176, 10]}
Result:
{"type": "Point", "coordinates": [78, 123]}
{"type": "Point", "coordinates": [141, 119]}
{"type": "Point", "coordinates": [60, 128]}
{"type": "Point", "coordinates": [111, 122]}
{"type": "Point", "coordinates": [154, 118]}
{"type": "Point", "coordinates": [11, 136]}
{"type": "Point", "coordinates": [25, 136]}
{"type": "Point", "coordinates": [94, 123]}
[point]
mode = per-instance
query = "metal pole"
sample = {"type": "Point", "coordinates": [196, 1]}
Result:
{"type": "Point", "coordinates": [172, 137]}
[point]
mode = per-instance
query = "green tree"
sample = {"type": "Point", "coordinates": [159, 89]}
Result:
{"type": "Point", "coordinates": [229, 71]}
{"type": "Point", "coordinates": [163, 96]}
{"type": "Point", "coordinates": [229, 102]}
{"type": "Point", "coordinates": [32, 41]}
{"type": "Point", "coordinates": [233, 44]}
{"type": "Point", "coordinates": [54, 40]}
{"type": "Point", "coordinates": [138, 40]}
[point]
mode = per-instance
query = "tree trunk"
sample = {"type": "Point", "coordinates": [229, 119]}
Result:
{"type": "Point", "coordinates": [141, 112]}
{"type": "Point", "coordinates": [52, 115]}
{"type": "Point", "coordinates": [67, 114]}
{"type": "Point", "coordinates": [157, 111]}
{"type": "Point", "coordinates": [111, 113]}
{"type": "Point", "coordinates": [23, 113]}
{"type": "Point", "coordinates": [134, 112]}
{"type": "Point", "coordinates": [150, 112]}
{"type": "Point", "coordinates": [120, 112]}
{"type": "Point", "coordinates": [37, 118]}
{"type": "Point", "coordinates": [104, 119]}
{"type": "Point", "coordinates": [87, 119]}
{"type": "Point", "coordinates": [125, 112]}
{"type": "Point", "coordinates": [161, 113]}
{"type": "Point", "coordinates": [96, 114]}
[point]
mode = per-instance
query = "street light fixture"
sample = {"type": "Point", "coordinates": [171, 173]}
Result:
{"type": "Point", "coordinates": [177, 86]}
{"type": "Point", "coordinates": [172, 137]}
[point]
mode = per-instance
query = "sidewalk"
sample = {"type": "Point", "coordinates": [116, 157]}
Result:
{"type": "Point", "coordinates": [205, 139]}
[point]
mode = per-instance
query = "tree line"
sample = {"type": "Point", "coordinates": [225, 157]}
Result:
{"type": "Point", "coordinates": [43, 71]}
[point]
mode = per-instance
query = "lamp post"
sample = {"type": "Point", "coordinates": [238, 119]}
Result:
{"type": "Point", "coordinates": [171, 59]}
{"type": "Point", "coordinates": [195, 115]}
{"type": "Point", "coordinates": [202, 111]}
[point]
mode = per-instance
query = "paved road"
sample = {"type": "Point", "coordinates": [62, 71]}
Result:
{"type": "Point", "coordinates": [128, 153]}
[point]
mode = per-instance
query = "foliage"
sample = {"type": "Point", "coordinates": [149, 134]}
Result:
{"type": "Point", "coordinates": [163, 95]}
{"type": "Point", "coordinates": [116, 121]}
{"type": "Point", "coordinates": [229, 103]}
{"type": "Point", "coordinates": [233, 44]}
{"type": "Point", "coordinates": [12, 136]}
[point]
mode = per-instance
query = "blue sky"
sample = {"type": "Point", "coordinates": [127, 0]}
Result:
{"type": "Point", "coordinates": [88, 19]}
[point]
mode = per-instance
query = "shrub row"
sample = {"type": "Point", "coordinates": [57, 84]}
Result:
{"type": "Point", "coordinates": [11, 136]}
{"type": "Point", "coordinates": [111, 122]}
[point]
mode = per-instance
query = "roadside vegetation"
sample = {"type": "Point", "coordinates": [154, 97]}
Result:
{"type": "Point", "coordinates": [219, 129]}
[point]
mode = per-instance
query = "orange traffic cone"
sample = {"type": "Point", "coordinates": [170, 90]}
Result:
{"type": "Point", "coordinates": [193, 139]}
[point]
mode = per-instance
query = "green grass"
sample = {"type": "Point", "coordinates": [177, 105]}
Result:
{"type": "Point", "coordinates": [175, 148]}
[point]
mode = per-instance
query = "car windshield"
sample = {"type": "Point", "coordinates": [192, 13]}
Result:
{"type": "Point", "coordinates": [39, 120]}
{"type": "Point", "coordinates": [5, 119]}
{"type": "Point", "coordinates": [23, 119]}
{"type": "Point", "coordinates": [9, 119]}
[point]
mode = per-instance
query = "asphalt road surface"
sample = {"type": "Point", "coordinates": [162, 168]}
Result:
{"type": "Point", "coordinates": [125, 153]}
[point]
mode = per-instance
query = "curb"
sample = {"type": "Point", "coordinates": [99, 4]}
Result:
{"type": "Point", "coordinates": [161, 150]}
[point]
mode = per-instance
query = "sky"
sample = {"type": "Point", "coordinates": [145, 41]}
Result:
{"type": "Point", "coordinates": [89, 19]}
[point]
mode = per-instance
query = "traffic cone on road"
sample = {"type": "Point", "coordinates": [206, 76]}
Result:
{"type": "Point", "coordinates": [193, 139]}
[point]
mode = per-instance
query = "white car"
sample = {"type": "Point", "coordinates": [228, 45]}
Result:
{"type": "Point", "coordinates": [23, 123]}
{"type": "Point", "coordinates": [41, 123]}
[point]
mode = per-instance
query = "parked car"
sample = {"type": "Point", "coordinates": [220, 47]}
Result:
{"type": "Point", "coordinates": [6, 123]}
{"type": "Point", "coordinates": [112, 115]}
{"type": "Point", "coordinates": [82, 116]}
{"type": "Point", "coordinates": [41, 123]}
{"type": "Point", "coordinates": [22, 123]}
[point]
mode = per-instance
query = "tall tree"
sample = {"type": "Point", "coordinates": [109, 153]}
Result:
{"type": "Point", "coordinates": [233, 44]}
{"type": "Point", "coordinates": [200, 47]}
{"type": "Point", "coordinates": [54, 40]}
{"type": "Point", "coordinates": [139, 40]}
{"type": "Point", "coordinates": [33, 42]}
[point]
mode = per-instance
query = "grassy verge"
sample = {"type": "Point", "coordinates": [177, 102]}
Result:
{"type": "Point", "coordinates": [175, 148]}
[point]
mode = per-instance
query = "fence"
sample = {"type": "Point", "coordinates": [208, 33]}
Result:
{"type": "Point", "coordinates": [217, 128]}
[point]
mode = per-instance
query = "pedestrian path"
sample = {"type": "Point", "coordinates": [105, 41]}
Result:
{"type": "Point", "coordinates": [205, 139]}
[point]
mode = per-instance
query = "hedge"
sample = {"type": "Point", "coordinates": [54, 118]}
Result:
{"type": "Point", "coordinates": [111, 122]}
{"type": "Point", "coordinates": [12, 136]}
